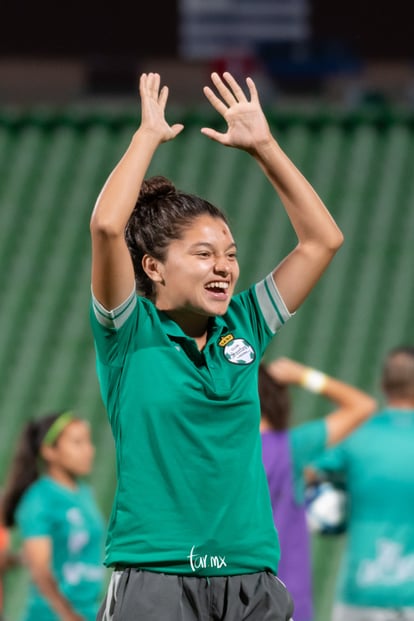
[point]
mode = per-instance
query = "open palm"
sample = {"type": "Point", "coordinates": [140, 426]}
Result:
{"type": "Point", "coordinates": [153, 102]}
{"type": "Point", "coordinates": [247, 126]}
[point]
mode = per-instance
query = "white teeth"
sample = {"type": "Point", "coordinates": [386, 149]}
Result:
{"type": "Point", "coordinates": [218, 285]}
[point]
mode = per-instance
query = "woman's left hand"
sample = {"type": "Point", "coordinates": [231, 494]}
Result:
{"type": "Point", "coordinates": [247, 127]}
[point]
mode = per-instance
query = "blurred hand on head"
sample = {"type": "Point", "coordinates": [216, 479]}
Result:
{"type": "Point", "coordinates": [286, 371]}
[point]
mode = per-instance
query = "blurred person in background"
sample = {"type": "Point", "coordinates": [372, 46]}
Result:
{"type": "Point", "coordinates": [8, 560]}
{"type": "Point", "coordinates": [58, 519]}
{"type": "Point", "coordinates": [192, 535]}
{"type": "Point", "coordinates": [376, 581]}
{"type": "Point", "coordinates": [286, 452]}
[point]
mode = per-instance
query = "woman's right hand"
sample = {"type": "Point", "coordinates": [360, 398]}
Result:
{"type": "Point", "coordinates": [153, 102]}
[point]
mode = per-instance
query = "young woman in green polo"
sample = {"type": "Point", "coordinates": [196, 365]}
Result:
{"type": "Point", "coordinates": [48, 499]}
{"type": "Point", "coordinates": [191, 534]}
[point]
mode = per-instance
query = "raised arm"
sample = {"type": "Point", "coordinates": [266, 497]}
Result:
{"type": "Point", "coordinates": [319, 238]}
{"type": "Point", "coordinates": [353, 405]}
{"type": "Point", "coordinates": [112, 270]}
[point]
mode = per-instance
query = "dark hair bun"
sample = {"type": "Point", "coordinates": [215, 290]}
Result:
{"type": "Point", "coordinates": [154, 188]}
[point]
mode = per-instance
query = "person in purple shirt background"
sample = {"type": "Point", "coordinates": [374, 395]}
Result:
{"type": "Point", "coordinates": [287, 451]}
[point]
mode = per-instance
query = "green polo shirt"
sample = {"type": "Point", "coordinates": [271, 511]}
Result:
{"type": "Point", "coordinates": [376, 460]}
{"type": "Point", "coordinates": [192, 495]}
{"type": "Point", "coordinates": [75, 527]}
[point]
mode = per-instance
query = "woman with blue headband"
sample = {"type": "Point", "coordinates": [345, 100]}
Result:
{"type": "Point", "coordinates": [57, 516]}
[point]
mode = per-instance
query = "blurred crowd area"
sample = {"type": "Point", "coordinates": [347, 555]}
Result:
{"type": "Point", "coordinates": [345, 53]}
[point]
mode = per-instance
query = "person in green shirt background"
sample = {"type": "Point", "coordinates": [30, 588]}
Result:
{"type": "Point", "coordinates": [288, 449]}
{"type": "Point", "coordinates": [191, 535]}
{"type": "Point", "coordinates": [9, 559]}
{"type": "Point", "coordinates": [376, 581]}
{"type": "Point", "coordinates": [58, 519]}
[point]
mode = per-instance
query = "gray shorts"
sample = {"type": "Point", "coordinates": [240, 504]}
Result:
{"type": "Point", "coordinates": [343, 612]}
{"type": "Point", "coordinates": [136, 595]}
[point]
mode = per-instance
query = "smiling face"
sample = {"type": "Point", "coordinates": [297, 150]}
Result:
{"type": "Point", "coordinates": [200, 271]}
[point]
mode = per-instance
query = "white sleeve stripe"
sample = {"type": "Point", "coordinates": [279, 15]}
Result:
{"type": "Point", "coordinates": [115, 318]}
{"type": "Point", "coordinates": [271, 304]}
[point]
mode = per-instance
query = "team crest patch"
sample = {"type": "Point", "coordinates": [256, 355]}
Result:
{"type": "Point", "coordinates": [225, 339]}
{"type": "Point", "coordinates": [239, 351]}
